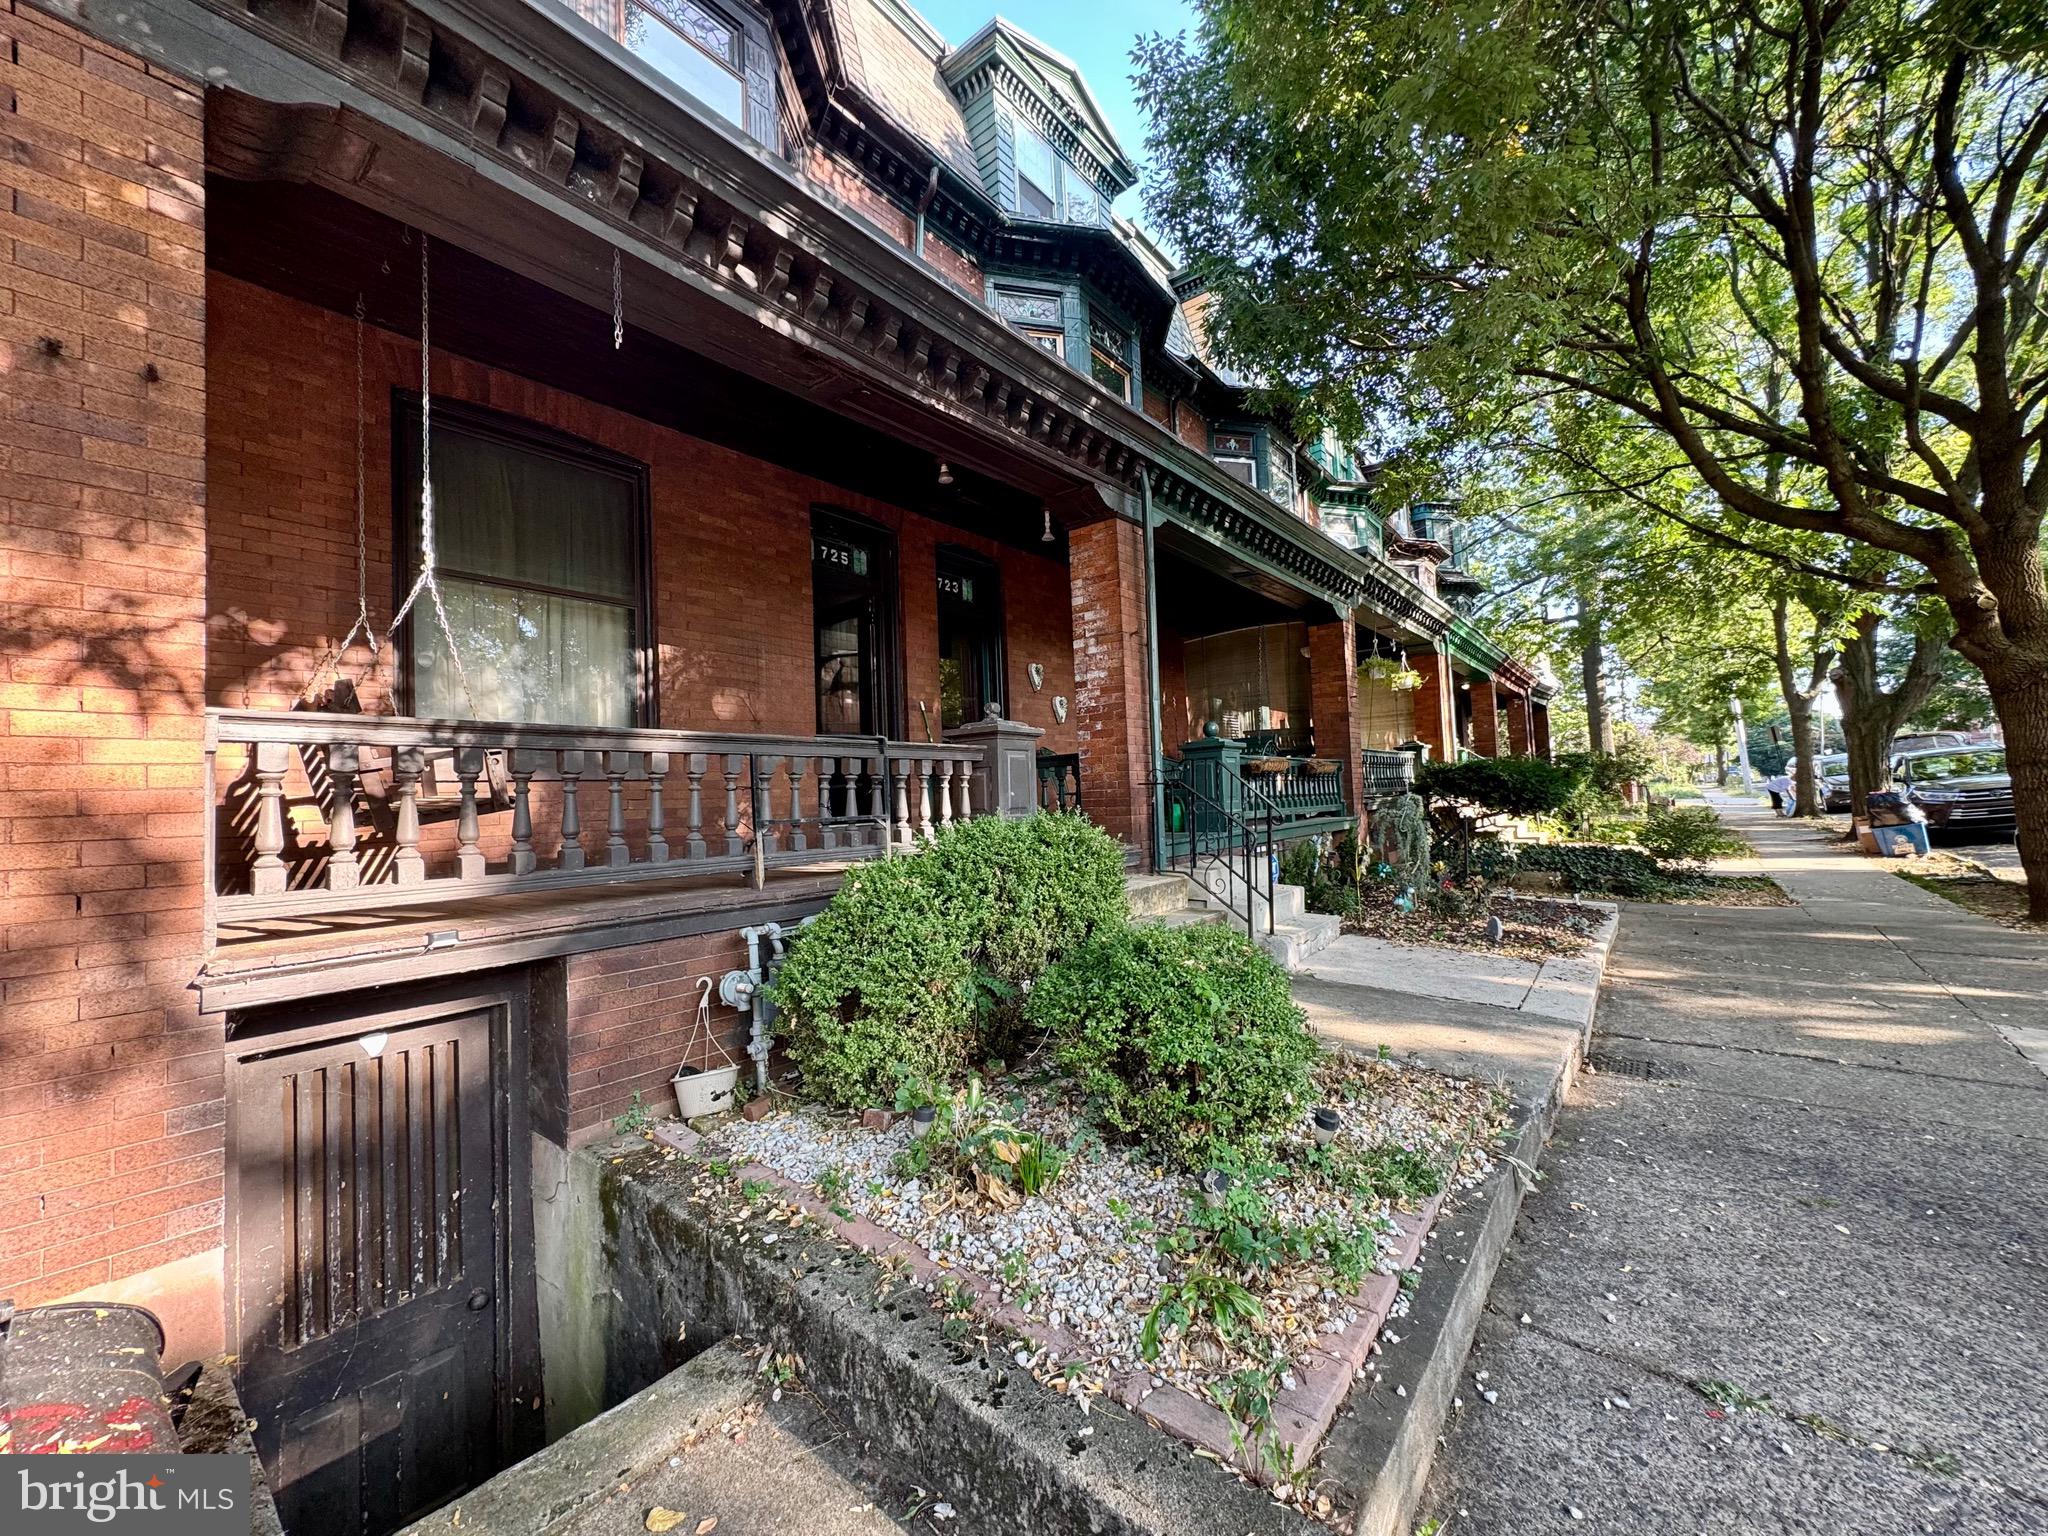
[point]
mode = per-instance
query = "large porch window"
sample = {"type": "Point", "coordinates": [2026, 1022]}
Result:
{"type": "Point", "coordinates": [1255, 684]}
{"type": "Point", "coordinates": [541, 555]}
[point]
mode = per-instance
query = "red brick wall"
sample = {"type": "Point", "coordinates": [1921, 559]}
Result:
{"type": "Point", "coordinates": [281, 538]}
{"type": "Point", "coordinates": [1181, 715]}
{"type": "Point", "coordinates": [110, 1081]}
{"type": "Point", "coordinates": [1157, 407]}
{"type": "Point", "coordinates": [632, 1020]}
{"type": "Point", "coordinates": [1333, 697]}
{"type": "Point", "coordinates": [1435, 720]}
{"type": "Point", "coordinates": [1111, 697]}
{"type": "Point", "coordinates": [1194, 431]}
{"type": "Point", "coordinates": [1485, 719]}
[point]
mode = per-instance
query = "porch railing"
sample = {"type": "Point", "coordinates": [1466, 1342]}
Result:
{"type": "Point", "coordinates": [1383, 774]}
{"type": "Point", "coordinates": [1298, 788]}
{"type": "Point", "coordinates": [338, 813]}
{"type": "Point", "coordinates": [1059, 781]}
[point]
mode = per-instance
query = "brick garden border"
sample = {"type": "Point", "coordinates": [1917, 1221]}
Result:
{"type": "Point", "coordinates": [1302, 1415]}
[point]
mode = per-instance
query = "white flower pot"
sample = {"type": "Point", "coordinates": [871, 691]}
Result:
{"type": "Point", "coordinates": [704, 1092]}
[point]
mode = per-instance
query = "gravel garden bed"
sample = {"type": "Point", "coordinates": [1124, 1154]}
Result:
{"type": "Point", "coordinates": [1122, 1278]}
{"type": "Point", "coordinates": [1531, 928]}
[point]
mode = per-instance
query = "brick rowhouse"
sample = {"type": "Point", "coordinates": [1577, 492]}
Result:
{"type": "Point", "coordinates": [110, 1079]}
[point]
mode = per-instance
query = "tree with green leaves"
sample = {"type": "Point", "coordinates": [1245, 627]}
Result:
{"type": "Point", "coordinates": [1435, 220]}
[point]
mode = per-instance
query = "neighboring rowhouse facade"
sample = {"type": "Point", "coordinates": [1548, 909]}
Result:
{"type": "Point", "coordinates": [794, 405]}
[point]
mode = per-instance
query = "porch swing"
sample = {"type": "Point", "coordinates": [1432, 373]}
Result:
{"type": "Point", "coordinates": [438, 795]}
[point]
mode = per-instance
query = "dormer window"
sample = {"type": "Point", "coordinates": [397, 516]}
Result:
{"type": "Point", "coordinates": [1109, 359]}
{"type": "Point", "coordinates": [1280, 474]}
{"type": "Point", "coordinates": [1038, 176]}
{"type": "Point", "coordinates": [720, 57]}
{"type": "Point", "coordinates": [1234, 455]}
{"type": "Point", "coordinates": [1037, 315]}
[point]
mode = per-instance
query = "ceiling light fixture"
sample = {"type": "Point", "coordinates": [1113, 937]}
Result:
{"type": "Point", "coordinates": [945, 473]}
{"type": "Point", "coordinates": [1046, 537]}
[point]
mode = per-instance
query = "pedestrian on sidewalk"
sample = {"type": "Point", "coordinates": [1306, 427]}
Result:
{"type": "Point", "coordinates": [1779, 787]}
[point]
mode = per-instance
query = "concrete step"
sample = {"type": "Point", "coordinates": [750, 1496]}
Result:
{"type": "Point", "coordinates": [1155, 895]}
{"type": "Point", "coordinates": [1186, 917]}
{"type": "Point", "coordinates": [1294, 942]}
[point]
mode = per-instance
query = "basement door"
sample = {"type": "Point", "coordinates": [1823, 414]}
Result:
{"type": "Point", "coordinates": [367, 1262]}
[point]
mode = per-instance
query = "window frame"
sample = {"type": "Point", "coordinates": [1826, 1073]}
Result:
{"type": "Point", "coordinates": [831, 521]}
{"type": "Point", "coordinates": [1019, 131]}
{"type": "Point", "coordinates": [1249, 458]}
{"type": "Point", "coordinates": [527, 436]}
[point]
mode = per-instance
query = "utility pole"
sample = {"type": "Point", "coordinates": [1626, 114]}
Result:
{"type": "Point", "coordinates": [1742, 743]}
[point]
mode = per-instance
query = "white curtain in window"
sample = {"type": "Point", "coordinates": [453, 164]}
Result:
{"type": "Point", "coordinates": [536, 563]}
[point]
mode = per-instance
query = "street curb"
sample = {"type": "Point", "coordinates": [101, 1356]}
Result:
{"type": "Point", "coordinates": [1382, 1449]}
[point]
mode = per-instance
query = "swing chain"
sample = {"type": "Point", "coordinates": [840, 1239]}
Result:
{"type": "Point", "coordinates": [331, 660]}
{"type": "Point", "coordinates": [618, 304]}
{"type": "Point", "coordinates": [426, 581]}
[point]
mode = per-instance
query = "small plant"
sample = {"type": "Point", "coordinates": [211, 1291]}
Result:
{"type": "Point", "coordinates": [754, 1191]}
{"type": "Point", "coordinates": [832, 1183]}
{"type": "Point", "coordinates": [636, 1120]}
{"type": "Point", "coordinates": [1206, 1298]}
{"type": "Point", "coordinates": [1691, 834]}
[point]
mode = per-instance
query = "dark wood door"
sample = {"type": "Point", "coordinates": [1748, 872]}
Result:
{"type": "Point", "coordinates": [366, 1269]}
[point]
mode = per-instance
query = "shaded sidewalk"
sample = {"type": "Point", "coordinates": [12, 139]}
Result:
{"type": "Point", "coordinates": [1789, 1268]}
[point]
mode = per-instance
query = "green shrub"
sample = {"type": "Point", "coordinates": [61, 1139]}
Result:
{"type": "Point", "coordinates": [1328, 881]}
{"type": "Point", "coordinates": [1185, 1037]}
{"type": "Point", "coordinates": [1689, 835]}
{"type": "Point", "coordinates": [1513, 786]}
{"type": "Point", "coordinates": [914, 969]}
{"type": "Point", "coordinates": [1590, 867]}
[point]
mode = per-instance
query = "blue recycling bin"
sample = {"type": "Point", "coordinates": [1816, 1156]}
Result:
{"type": "Point", "coordinates": [1902, 841]}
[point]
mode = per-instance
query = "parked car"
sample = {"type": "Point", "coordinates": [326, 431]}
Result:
{"type": "Point", "coordinates": [1919, 741]}
{"type": "Point", "coordinates": [1834, 780]}
{"type": "Point", "coordinates": [1959, 788]}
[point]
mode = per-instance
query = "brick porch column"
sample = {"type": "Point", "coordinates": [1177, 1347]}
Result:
{"type": "Point", "coordinates": [1485, 718]}
{"type": "Point", "coordinates": [113, 1097]}
{"type": "Point", "coordinates": [1435, 709]}
{"type": "Point", "coordinates": [1518, 724]}
{"type": "Point", "coordinates": [1112, 709]}
{"type": "Point", "coordinates": [1333, 699]}
{"type": "Point", "coordinates": [1539, 729]}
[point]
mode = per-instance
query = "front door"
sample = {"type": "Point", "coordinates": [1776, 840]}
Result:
{"type": "Point", "coordinates": [367, 1259]}
{"type": "Point", "coordinates": [970, 638]}
{"type": "Point", "coordinates": [853, 605]}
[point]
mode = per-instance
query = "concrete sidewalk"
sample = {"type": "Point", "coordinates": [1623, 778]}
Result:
{"type": "Point", "coordinates": [1789, 1268]}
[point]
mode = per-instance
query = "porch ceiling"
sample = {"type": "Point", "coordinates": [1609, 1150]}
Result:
{"type": "Point", "coordinates": [1203, 590]}
{"type": "Point", "coordinates": [316, 245]}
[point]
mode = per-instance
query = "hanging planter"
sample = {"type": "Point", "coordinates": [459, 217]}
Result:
{"type": "Point", "coordinates": [1379, 668]}
{"type": "Point", "coordinates": [704, 1090]}
{"type": "Point", "coordinates": [1407, 680]}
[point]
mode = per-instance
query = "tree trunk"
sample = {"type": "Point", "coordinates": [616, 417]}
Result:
{"type": "Point", "coordinates": [2019, 693]}
{"type": "Point", "coordinates": [1721, 763]}
{"type": "Point", "coordinates": [1871, 715]}
{"type": "Point", "coordinates": [1799, 697]}
{"type": "Point", "coordinates": [1593, 670]}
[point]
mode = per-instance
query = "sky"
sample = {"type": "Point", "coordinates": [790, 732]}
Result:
{"type": "Point", "coordinates": [1096, 34]}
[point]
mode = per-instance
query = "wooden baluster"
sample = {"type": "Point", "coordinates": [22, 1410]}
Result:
{"type": "Point", "coordinates": [963, 807]}
{"type": "Point", "coordinates": [657, 845]}
{"type": "Point", "coordinates": [831, 770]}
{"type": "Point", "coordinates": [761, 804]}
{"type": "Point", "coordinates": [267, 874]}
{"type": "Point", "coordinates": [408, 763]}
{"type": "Point", "coordinates": [924, 797]}
{"type": "Point", "coordinates": [735, 841]}
{"type": "Point", "coordinates": [879, 802]}
{"type": "Point", "coordinates": [799, 769]}
{"type": "Point", "coordinates": [524, 859]}
{"type": "Point", "coordinates": [693, 844]}
{"type": "Point", "coordinates": [572, 815]}
{"type": "Point", "coordinates": [342, 764]}
{"type": "Point", "coordinates": [469, 858]}
{"type": "Point", "coordinates": [945, 792]}
{"type": "Point", "coordinates": [616, 766]}
{"type": "Point", "coordinates": [757, 815]}
{"type": "Point", "coordinates": [900, 775]}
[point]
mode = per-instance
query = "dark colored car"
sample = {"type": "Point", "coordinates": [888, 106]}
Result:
{"type": "Point", "coordinates": [1833, 768]}
{"type": "Point", "coordinates": [1959, 788]}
